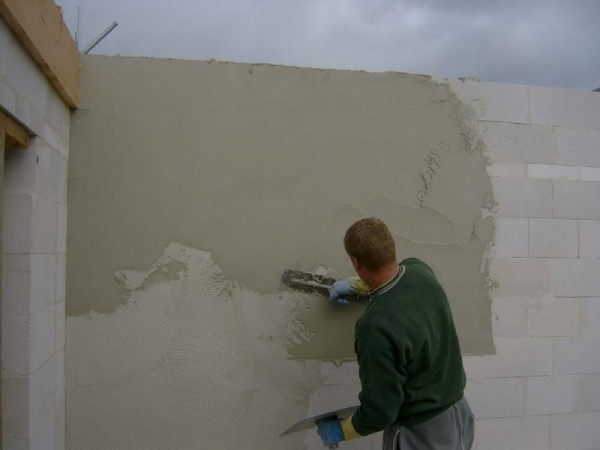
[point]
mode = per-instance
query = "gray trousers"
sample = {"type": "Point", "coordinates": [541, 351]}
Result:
{"type": "Point", "coordinates": [454, 429]}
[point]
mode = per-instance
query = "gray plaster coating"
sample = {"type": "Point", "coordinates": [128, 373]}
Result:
{"type": "Point", "coordinates": [246, 170]}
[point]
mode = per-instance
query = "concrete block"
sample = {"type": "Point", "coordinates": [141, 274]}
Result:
{"type": "Point", "coordinates": [15, 411]}
{"type": "Point", "coordinates": [44, 225]}
{"type": "Point", "coordinates": [20, 170]}
{"type": "Point", "coordinates": [499, 397]}
{"type": "Point", "coordinates": [589, 173]}
{"type": "Point", "coordinates": [565, 107]}
{"type": "Point", "coordinates": [333, 396]}
{"type": "Point", "coordinates": [509, 317]}
{"type": "Point", "coordinates": [530, 433]}
{"type": "Point", "coordinates": [30, 282]}
{"type": "Point", "coordinates": [576, 147]}
{"type": "Point", "coordinates": [493, 102]}
{"type": "Point", "coordinates": [60, 376]}
{"type": "Point", "coordinates": [14, 443]}
{"type": "Point", "coordinates": [42, 387]}
{"type": "Point", "coordinates": [28, 113]}
{"type": "Point", "coordinates": [514, 143]}
{"type": "Point", "coordinates": [61, 268]}
{"type": "Point", "coordinates": [43, 282]}
{"type": "Point", "coordinates": [515, 357]}
{"type": "Point", "coordinates": [42, 431]}
{"type": "Point", "coordinates": [5, 36]}
{"type": "Point", "coordinates": [589, 316]}
{"type": "Point", "coordinates": [553, 317]}
{"type": "Point", "coordinates": [589, 238]}
{"type": "Point", "coordinates": [507, 170]}
{"type": "Point", "coordinates": [57, 115]}
{"type": "Point", "coordinates": [59, 326]}
{"type": "Point", "coordinates": [18, 213]}
{"type": "Point", "coordinates": [520, 277]}
{"type": "Point", "coordinates": [16, 271]}
{"type": "Point", "coordinates": [553, 238]}
{"type": "Point", "coordinates": [551, 395]}
{"type": "Point", "coordinates": [510, 238]}
{"type": "Point", "coordinates": [54, 139]}
{"type": "Point", "coordinates": [576, 277]}
{"type": "Point", "coordinates": [576, 355]}
{"type": "Point", "coordinates": [61, 177]}
{"type": "Point", "coordinates": [49, 171]}
{"type": "Point", "coordinates": [345, 373]}
{"type": "Point", "coordinates": [61, 227]}
{"type": "Point", "coordinates": [42, 336]}
{"type": "Point", "coordinates": [522, 197]}
{"type": "Point", "coordinates": [575, 431]}
{"type": "Point", "coordinates": [546, 171]}
{"type": "Point", "coordinates": [576, 200]}
{"type": "Point", "coordinates": [8, 97]}
{"type": "Point", "coordinates": [16, 344]}
{"type": "Point", "coordinates": [60, 428]}
{"type": "Point", "coordinates": [588, 393]}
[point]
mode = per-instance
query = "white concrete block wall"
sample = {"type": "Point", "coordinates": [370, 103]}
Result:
{"type": "Point", "coordinates": [542, 388]}
{"type": "Point", "coordinates": [34, 248]}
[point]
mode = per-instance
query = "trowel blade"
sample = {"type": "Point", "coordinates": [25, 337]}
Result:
{"type": "Point", "coordinates": [308, 282]}
{"type": "Point", "coordinates": [315, 284]}
{"type": "Point", "coordinates": [310, 422]}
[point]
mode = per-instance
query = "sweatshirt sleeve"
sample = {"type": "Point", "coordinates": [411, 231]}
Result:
{"type": "Point", "coordinates": [381, 378]}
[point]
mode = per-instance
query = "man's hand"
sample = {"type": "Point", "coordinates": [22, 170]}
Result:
{"type": "Point", "coordinates": [347, 287]}
{"type": "Point", "coordinates": [331, 433]}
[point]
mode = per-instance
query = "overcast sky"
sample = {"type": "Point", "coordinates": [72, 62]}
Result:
{"type": "Point", "coordinates": [546, 43]}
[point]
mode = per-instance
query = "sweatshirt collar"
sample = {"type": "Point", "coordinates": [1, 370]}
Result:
{"type": "Point", "coordinates": [391, 283]}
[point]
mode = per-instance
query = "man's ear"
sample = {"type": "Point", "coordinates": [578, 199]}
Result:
{"type": "Point", "coordinates": [355, 263]}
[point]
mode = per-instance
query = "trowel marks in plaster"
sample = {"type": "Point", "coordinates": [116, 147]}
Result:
{"type": "Point", "coordinates": [266, 168]}
{"type": "Point", "coordinates": [191, 360]}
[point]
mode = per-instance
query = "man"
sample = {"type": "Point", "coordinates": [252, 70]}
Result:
{"type": "Point", "coordinates": [410, 365]}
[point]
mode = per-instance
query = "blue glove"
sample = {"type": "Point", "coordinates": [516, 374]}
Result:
{"type": "Point", "coordinates": [331, 432]}
{"type": "Point", "coordinates": [347, 286]}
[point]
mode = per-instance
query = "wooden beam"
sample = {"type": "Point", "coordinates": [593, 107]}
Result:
{"type": "Point", "coordinates": [39, 26]}
{"type": "Point", "coordinates": [16, 135]}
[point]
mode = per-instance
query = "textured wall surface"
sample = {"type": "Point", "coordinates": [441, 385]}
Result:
{"type": "Point", "coordinates": [194, 185]}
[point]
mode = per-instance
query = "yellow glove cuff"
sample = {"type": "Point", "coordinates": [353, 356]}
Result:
{"type": "Point", "coordinates": [348, 429]}
{"type": "Point", "coordinates": [359, 285]}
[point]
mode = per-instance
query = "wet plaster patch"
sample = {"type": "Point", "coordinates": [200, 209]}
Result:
{"type": "Point", "coordinates": [191, 360]}
{"type": "Point", "coordinates": [266, 168]}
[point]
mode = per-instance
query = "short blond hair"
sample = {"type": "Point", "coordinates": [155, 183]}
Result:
{"type": "Point", "coordinates": [371, 243]}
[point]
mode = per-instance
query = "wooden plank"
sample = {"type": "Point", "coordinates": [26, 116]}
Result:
{"type": "Point", "coordinates": [39, 26]}
{"type": "Point", "coordinates": [16, 135]}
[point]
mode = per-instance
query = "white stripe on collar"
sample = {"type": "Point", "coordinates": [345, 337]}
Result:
{"type": "Point", "coordinates": [390, 284]}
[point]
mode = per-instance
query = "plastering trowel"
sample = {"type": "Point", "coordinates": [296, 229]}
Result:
{"type": "Point", "coordinates": [314, 284]}
{"type": "Point", "coordinates": [314, 421]}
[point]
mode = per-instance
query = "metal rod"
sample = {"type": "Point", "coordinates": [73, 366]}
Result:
{"type": "Point", "coordinates": [102, 35]}
{"type": "Point", "coordinates": [78, 33]}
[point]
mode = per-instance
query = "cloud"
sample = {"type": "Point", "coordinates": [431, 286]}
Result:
{"type": "Point", "coordinates": [548, 43]}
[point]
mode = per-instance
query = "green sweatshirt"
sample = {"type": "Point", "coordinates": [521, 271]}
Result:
{"type": "Point", "coordinates": [410, 365]}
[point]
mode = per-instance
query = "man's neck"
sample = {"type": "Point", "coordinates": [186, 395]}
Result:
{"type": "Point", "coordinates": [376, 279]}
